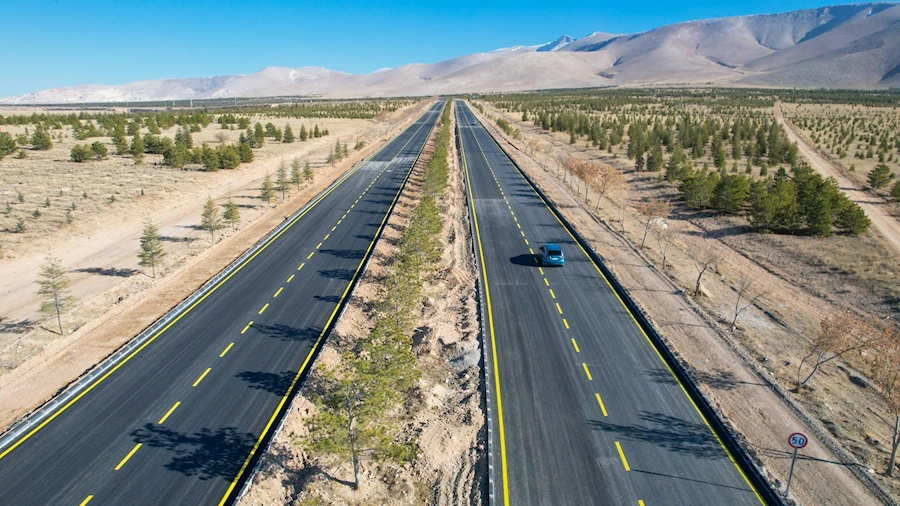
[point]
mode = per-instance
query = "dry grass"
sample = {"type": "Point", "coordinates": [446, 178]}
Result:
{"type": "Point", "coordinates": [112, 186]}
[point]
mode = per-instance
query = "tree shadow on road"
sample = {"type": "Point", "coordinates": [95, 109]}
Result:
{"type": "Point", "coordinates": [207, 454]}
{"type": "Point", "coordinates": [671, 433]}
{"type": "Point", "coordinates": [287, 333]}
{"type": "Point", "coordinates": [274, 383]}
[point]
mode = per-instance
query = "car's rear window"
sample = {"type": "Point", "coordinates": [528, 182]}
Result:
{"type": "Point", "coordinates": [554, 252]}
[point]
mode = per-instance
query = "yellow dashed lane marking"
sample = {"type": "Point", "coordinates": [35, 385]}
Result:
{"type": "Point", "coordinates": [566, 323]}
{"type": "Point", "coordinates": [310, 255]}
{"type": "Point", "coordinates": [86, 500]}
{"type": "Point", "coordinates": [552, 295]}
{"type": "Point", "coordinates": [334, 227]}
{"type": "Point", "coordinates": [132, 452]}
{"type": "Point", "coordinates": [546, 282]}
{"type": "Point", "coordinates": [600, 402]}
{"type": "Point", "coordinates": [326, 237]}
{"type": "Point", "coordinates": [263, 308]}
{"type": "Point", "coordinates": [169, 412]}
{"type": "Point", "coordinates": [290, 278]}
{"type": "Point", "coordinates": [575, 345]}
{"type": "Point", "coordinates": [318, 245]}
{"type": "Point", "coordinates": [278, 292]}
{"type": "Point", "coordinates": [531, 251]}
{"type": "Point", "coordinates": [247, 327]}
{"type": "Point", "coordinates": [558, 308]}
{"type": "Point", "coordinates": [304, 263]}
{"type": "Point", "coordinates": [202, 376]}
{"type": "Point", "coordinates": [586, 371]}
{"type": "Point", "coordinates": [541, 270]}
{"type": "Point", "coordinates": [622, 456]}
{"type": "Point", "coordinates": [226, 350]}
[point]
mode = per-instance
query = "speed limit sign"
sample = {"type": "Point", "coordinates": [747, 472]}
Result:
{"type": "Point", "coordinates": [797, 440]}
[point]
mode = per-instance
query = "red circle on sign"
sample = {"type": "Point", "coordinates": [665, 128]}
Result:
{"type": "Point", "coordinates": [798, 440]}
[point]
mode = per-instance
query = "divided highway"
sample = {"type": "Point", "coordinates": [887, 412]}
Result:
{"type": "Point", "coordinates": [181, 420]}
{"type": "Point", "coordinates": [584, 410]}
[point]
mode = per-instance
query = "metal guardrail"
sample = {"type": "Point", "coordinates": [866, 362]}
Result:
{"type": "Point", "coordinates": [32, 420]}
{"type": "Point", "coordinates": [720, 428]}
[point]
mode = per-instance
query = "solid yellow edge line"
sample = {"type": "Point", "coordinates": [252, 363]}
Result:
{"type": "Point", "coordinates": [318, 340]}
{"type": "Point", "coordinates": [683, 389]}
{"type": "Point", "coordinates": [226, 350]}
{"type": "Point", "coordinates": [622, 456]}
{"type": "Point", "coordinates": [169, 412]}
{"type": "Point", "coordinates": [132, 452]}
{"type": "Point", "coordinates": [202, 376]}
{"type": "Point", "coordinates": [487, 294]}
{"type": "Point", "coordinates": [86, 500]}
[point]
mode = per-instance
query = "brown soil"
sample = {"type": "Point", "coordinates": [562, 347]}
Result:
{"type": "Point", "coordinates": [744, 372]}
{"type": "Point", "coordinates": [114, 316]}
{"type": "Point", "coordinates": [448, 424]}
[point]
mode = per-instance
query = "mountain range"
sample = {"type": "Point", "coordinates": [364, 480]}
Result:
{"type": "Point", "coordinates": [844, 46]}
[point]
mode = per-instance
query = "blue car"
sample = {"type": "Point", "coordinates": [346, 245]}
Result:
{"type": "Point", "coordinates": [551, 254]}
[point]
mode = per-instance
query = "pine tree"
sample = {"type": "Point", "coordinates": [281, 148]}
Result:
{"type": "Point", "coordinates": [137, 148]}
{"type": "Point", "coordinates": [52, 284]}
{"type": "Point", "coordinates": [245, 152]}
{"type": "Point", "coordinates": [316, 132]}
{"type": "Point", "coordinates": [880, 176]}
{"type": "Point", "coordinates": [307, 171]}
{"type": "Point", "coordinates": [211, 220]}
{"type": "Point", "coordinates": [267, 191]}
{"type": "Point", "coordinates": [296, 174]}
{"type": "Point", "coordinates": [209, 158]}
{"type": "Point", "coordinates": [895, 192]}
{"type": "Point", "coordinates": [152, 252]}
{"type": "Point", "coordinates": [281, 180]}
{"type": "Point", "coordinates": [232, 214]}
{"type": "Point", "coordinates": [41, 140]}
{"type": "Point", "coordinates": [288, 134]}
{"type": "Point", "coordinates": [303, 133]}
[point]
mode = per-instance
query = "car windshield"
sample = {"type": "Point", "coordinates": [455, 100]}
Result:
{"type": "Point", "coordinates": [554, 253]}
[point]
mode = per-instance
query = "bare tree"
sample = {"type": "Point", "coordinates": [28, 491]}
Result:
{"type": "Point", "coordinates": [654, 212]}
{"type": "Point", "coordinates": [703, 257]}
{"type": "Point", "coordinates": [532, 143]}
{"type": "Point", "coordinates": [626, 199]}
{"type": "Point", "coordinates": [589, 173]}
{"type": "Point", "coordinates": [887, 378]}
{"type": "Point", "coordinates": [608, 179]}
{"type": "Point", "coordinates": [743, 295]}
{"type": "Point", "coordinates": [561, 158]}
{"type": "Point", "coordinates": [839, 334]}
{"type": "Point", "coordinates": [665, 238]}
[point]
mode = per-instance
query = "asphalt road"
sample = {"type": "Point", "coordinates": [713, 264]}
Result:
{"type": "Point", "coordinates": [178, 422]}
{"type": "Point", "coordinates": [585, 411]}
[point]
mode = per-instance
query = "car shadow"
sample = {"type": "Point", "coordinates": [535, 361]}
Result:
{"type": "Point", "coordinates": [526, 260]}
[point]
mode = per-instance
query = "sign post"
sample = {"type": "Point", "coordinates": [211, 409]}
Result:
{"type": "Point", "coordinates": [797, 441]}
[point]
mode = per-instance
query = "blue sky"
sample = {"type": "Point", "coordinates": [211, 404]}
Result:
{"type": "Point", "coordinates": [61, 43]}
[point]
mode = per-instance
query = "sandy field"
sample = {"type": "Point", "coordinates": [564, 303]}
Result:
{"type": "Point", "coordinates": [746, 373]}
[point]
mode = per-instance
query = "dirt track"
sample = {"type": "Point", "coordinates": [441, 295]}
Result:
{"type": "Point", "coordinates": [875, 208]}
